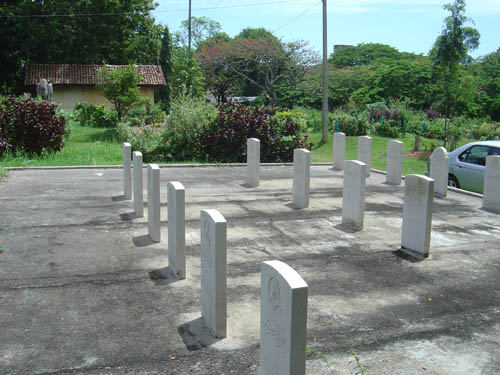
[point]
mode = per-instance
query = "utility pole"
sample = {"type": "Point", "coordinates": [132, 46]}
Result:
{"type": "Point", "coordinates": [324, 137]}
{"type": "Point", "coordinates": [189, 28]}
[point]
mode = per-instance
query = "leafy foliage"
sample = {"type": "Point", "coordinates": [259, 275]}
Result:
{"type": "Point", "coordinates": [120, 87]}
{"type": "Point", "coordinates": [124, 33]}
{"type": "Point", "coordinates": [88, 114]}
{"type": "Point", "coordinates": [29, 126]}
{"type": "Point", "coordinates": [224, 139]}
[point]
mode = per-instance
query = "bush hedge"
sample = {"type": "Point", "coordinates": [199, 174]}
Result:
{"type": "Point", "coordinates": [88, 114]}
{"type": "Point", "coordinates": [30, 126]}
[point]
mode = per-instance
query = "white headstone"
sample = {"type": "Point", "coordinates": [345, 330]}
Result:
{"type": "Point", "coordinates": [176, 229]}
{"type": "Point", "coordinates": [353, 200]}
{"type": "Point", "coordinates": [394, 162]}
{"type": "Point", "coordinates": [301, 177]}
{"type": "Point", "coordinates": [127, 172]}
{"type": "Point", "coordinates": [253, 162]}
{"type": "Point", "coordinates": [154, 223]}
{"type": "Point", "coordinates": [417, 215]}
{"type": "Point", "coordinates": [213, 271]}
{"type": "Point", "coordinates": [138, 193]}
{"type": "Point", "coordinates": [338, 150]}
{"type": "Point", "coordinates": [439, 171]}
{"type": "Point", "coordinates": [491, 196]}
{"type": "Point", "coordinates": [365, 152]}
{"type": "Point", "coordinates": [283, 320]}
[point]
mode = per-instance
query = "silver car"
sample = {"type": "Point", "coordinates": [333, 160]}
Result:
{"type": "Point", "coordinates": [467, 165]}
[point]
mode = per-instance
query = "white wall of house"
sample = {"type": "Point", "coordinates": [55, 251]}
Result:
{"type": "Point", "coordinates": [68, 96]}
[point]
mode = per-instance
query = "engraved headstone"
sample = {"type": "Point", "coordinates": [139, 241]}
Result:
{"type": "Point", "coordinates": [365, 152]}
{"type": "Point", "coordinates": [127, 171]}
{"type": "Point", "coordinates": [253, 162]}
{"type": "Point", "coordinates": [491, 196]}
{"type": "Point", "coordinates": [176, 229]}
{"type": "Point", "coordinates": [417, 215]}
{"type": "Point", "coordinates": [353, 200]}
{"type": "Point", "coordinates": [138, 193]}
{"type": "Point", "coordinates": [338, 150]}
{"type": "Point", "coordinates": [154, 223]}
{"type": "Point", "coordinates": [301, 177]}
{"type": "Point", "coordinates": [283, 320]}
{"type": "Point", "coordinates": [394, 162]}
{"type": "Point", "coordinates": [213, 271]}
{"type": "Point", "coordinates": [439, 171]}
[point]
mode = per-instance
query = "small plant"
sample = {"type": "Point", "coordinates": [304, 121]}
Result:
{"type": "Point", "coordinates": [3, 173]}
{"type": "Point", "coordinates": [314, 354]}
{"type": "Point", "coordinates": [2, 249]}
{"type": "Point", "coordinates": [88, 114]}
{"type": "Point", "coordinates": [359, 366]}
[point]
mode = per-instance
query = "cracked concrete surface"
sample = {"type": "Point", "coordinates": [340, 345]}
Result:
{"type": "Point", "coordinates": [84, 291]}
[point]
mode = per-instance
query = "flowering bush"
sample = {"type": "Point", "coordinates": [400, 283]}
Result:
{"type": "Point", "coordinates": [30, 126]}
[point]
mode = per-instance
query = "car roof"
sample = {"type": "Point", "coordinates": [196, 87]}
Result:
{"type": "Point", "coordinates": [492, 143]}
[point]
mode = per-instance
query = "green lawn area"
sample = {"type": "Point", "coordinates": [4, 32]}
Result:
{"type": "Point", "coordinates": [84, 146]}
{"type": "Point", "coordinates": [323, 152]}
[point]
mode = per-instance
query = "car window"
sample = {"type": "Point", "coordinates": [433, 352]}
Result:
{"type": "Point", "coordinates": [494, 151]}
{"type": "Point", "coordinates": [475, 155]}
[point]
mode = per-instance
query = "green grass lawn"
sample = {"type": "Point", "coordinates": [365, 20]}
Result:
{"type": "Point", "coordinates": [84, 146]}
{"type": "Point", "coordinates": [415, 163]}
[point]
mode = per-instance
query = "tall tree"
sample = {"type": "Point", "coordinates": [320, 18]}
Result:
{"type": "Point", "coordinates": [449, 51]}
{"type": "Point", "coordinates": [268, 64]}
{"type": "Point", "coordinates": [201, 28]}
{"type": "Point", "coordinates": [75, 32]}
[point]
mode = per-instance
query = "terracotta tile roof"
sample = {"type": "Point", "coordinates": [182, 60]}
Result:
{"type": "Point", "coordinates": [66, 74]}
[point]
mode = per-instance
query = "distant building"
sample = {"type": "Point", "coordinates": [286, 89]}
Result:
{"type": "Point", "coordinates": [76, 83]}
{"type": "Point", "coordinates": [337, 47]}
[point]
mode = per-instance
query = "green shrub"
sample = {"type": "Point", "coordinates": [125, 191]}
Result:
{"type": "Point", "coordinates": [29, 126]}
{"type": "Point", "coordinates": [224, 138]}
{"type": "Point", "coordinates": [389, 128]}
{"type": "Point", "coordinates": [350, 125]}
{"type": "Point", "coordinates": [88, 114]}
{"type": "Point", "coordinates": [487, 131]}
{"type": "Point", "coordinates": [146, 114]}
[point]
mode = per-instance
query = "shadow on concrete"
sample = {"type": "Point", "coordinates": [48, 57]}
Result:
{"type": "Point", "coordinates": [405, 255]}
{"type": "Point", "coordinates": [247, 186]}
{"type": "Point", "coordinates": [142, 241]}
{"type": "Point", "coordinates": [118, 198]}
{"type": "Point", "coordinates": [163, 276]}
{"type": "Point", "coordinates": [490, 211]}
{"type": "Point", "coordinates": [196, 335]}
{"type": "Point", "coordinates": [128, 216]}
{"type": "Point", "coordinates": [293, 206]}
{"type": "Point", "coordinates": [347, 228]}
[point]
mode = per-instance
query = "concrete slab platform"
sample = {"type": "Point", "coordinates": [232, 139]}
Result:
{"type": "Point", "coordinates": [85, 291]}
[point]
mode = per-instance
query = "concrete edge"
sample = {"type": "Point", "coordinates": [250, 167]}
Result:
{"type": "Point", "coordinates": [207, 165]}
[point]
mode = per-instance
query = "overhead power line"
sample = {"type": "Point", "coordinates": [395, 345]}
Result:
{"type": "Point", "coordinates": [129, 13]}
{"type": "Point", "coordinates": [297, 17]}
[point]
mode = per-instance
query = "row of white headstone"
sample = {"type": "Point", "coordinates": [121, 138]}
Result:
{"type": "Point", "coordinates": [283, 291]}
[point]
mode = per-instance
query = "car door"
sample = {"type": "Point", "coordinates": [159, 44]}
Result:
{"type": "Point", "coordinates": [470, 168]}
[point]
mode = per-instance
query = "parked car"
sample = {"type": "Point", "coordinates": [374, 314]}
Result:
{"type": "Point", "coordinates": [467, 165]}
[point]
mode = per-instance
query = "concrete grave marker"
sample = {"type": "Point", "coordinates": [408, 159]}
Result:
{"type": "Point", "coordinates": [417, 215]}
{"type": "Point", "coordinates": [353, 200]}
{"type": "Point", "coordinates": [127, 172]}
{"type": "Point", "coordinates": [301, 177]}
{"type": "Point", "coordinates": [338, 150]}
{"type": "Point", "coordinates": [491, 196]}
{"type": "Point", "coordinates": [176, 229]}
{"type": "Point", "coordinates": [283, 320]}
{"type": "Point", "coordinates": [253, 162]}
{"type": "Point", "coordinates": [138, 193]}
{"type": "Point", "coordinates": [394, 162]}
{"type": "Point", "coordinates": [154, 223]}
{"type": "Point", "coordinates": [439, 171]}
{"type": "Point", "coordinates": [213, 271]}
{"type": "Point", "coordinates": [365, 152]}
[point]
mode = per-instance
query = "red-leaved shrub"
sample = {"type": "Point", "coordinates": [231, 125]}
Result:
{"type": "Point", "coordinates": [224, 139]}
{"type": "Point", "coordinates": [30, 127]}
